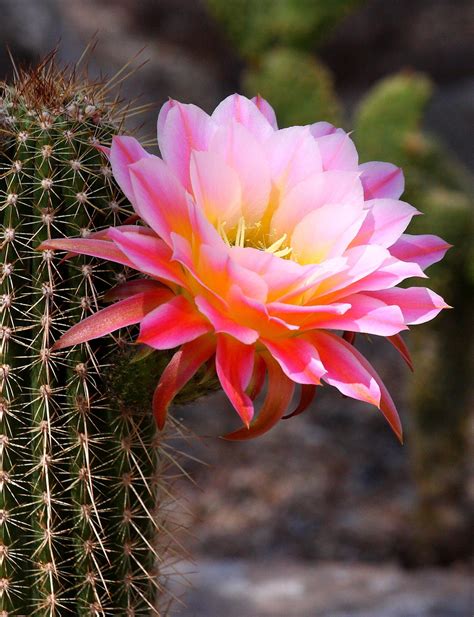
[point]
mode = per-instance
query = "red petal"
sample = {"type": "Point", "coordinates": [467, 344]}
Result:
{"type": "Point", "coordinates": [258, 377]}
{"type": "Point", "coordinates": [234, 366]}
{"type": "Point", "coordinates": [182, 367]}
{"type": "Point", "coordinates": [104, 249]}
{"type": "Point", "coordinates": [307, 395]}
{"type": "Point", "coordinates": [279, 393]}
{"type": "Point", "coordinates": [401, 346]}
{"type": "Point", "coordinates": [119, 315]}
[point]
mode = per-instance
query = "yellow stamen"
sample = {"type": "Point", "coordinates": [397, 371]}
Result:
{"type": "Point", "coordinates": [240, 235]}
{"type": "Point", "coordinates": [273, 248]}
{"type": "Point", "coordinates": [221, 229]}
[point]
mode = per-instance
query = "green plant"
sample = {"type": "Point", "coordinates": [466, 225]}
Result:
{"type": "Point", "coordinates": [84, 525]}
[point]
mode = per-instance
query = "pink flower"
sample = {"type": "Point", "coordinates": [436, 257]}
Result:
{"type": "Point", "coordinates": [260, 245]}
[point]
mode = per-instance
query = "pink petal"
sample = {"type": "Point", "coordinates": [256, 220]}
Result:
{"type": "Point", "coordinates": [182, 367]}
{"type": "Point", "coordinates": [258, 377]}
{"type": "Point", "coordinates": [234, 366]}
{"type": "Point", "coordinates": [382, 180]}
{"type": "Point", "coordinates": [237, 108]}
{"type": "Point", "coordinates": [266, 109]}
{"type": "Point", "coordinates": [298, 359]}
{"type": "Point", "coordinates": [338, 152]}
{"type": "Point", "coordinates": [279, 394]}
{"type": "Point", "coordinates": [124, 313]}
{"type": "Point", "coordinates": [386, 220]}
{"type": "Point", "coordinates": [308, 392]}
{"type": "Point", "coordinates": [149, 255]}
{"type": "Point", "coordinates": [159, 197]}
{"type": "Point", "coordinates": [222, 322]}
{"type": "Point", "coordinates": [103, 249]}
{"type": "Point", "coordinates": [367, 314]}
{"type": "Point", "coordinates": [216, 188]}
{"type": "Point", "coordinates": [326, 232]}
{"type": "Point", "coordinates": [181, 129]}
{"type": "Point", "coordinates": [172, 324]}
{"type": "Point", "coordinates": [353, 375]}
{"type": "Point", "coordinates": [124, 152]}
{"type": "Point", "coordinates": [418, 304]}
{"type": "Point", "coordinates": [293, 155]}
{"type": "Point", "coordinates": [424, 250]}
{"type": "Point", "coordinates": [400, 345]}
{"type": "Point", "coordinates": [320, 129]}
{"type": "Point", "coordinates": [330, 187]}
{"type": "Point", "coordinates": [236, 145]}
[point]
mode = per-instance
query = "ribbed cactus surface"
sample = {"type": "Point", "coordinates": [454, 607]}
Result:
{"type": "Point", "coordinates": [82, 500]}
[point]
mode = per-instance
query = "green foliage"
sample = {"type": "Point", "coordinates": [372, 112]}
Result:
{"type": "Point", "coordinates": [83, 494]}
{"type": "Point", "coordinates": [299, 87]}
{"type": "Point", "coordinates": [256, 26]}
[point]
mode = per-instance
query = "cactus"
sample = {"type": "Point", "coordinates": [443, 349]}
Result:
{"type": "Point", "coordinates": [298, 85]}
{"type": "Point", "coordinates": [388, 127]}
{"type": "Point", "coordinates": [83, 514]}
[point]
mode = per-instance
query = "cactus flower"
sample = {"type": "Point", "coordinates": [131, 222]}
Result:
{"type": "Point", "coordinates": [265, 251]}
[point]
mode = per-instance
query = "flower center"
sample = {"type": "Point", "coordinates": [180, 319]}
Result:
{"type": "Point", "coordinates": [242, 235]}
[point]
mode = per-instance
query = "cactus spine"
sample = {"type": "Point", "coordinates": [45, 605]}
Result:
{"type": "Point", "coordinates": [80, 471]}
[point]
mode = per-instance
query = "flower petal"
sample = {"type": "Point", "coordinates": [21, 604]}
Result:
{"type": "Point", "coordinates": [353, 375]}
{"type": "Point", "coordinates": [182, 367]}
{"type": "Point", "coordinates": [149, 255]}
{"type": "Point", "coordinates": [298, 359]}
{"type": "Point", "coordinates": [235, 145]}
{"type": "Point", "coordinates": [418, 304]}
{"type": "Point", "coordinates": [307, 394]}
{"type": "Point", "coordinates": [172, 324]}
{"type": "Point", "coordinates": [326, 232]}
{"type": "Point", "coordinates": [216, 188]}
{"type": "Point", "coordinates": [124, 313]}
{"type": "Point", "coordinates": [381, 180]}
{"type": "Point", "coordinates": [386, 220]}
{"type": "Point", "coordinates": [130, 288]}
{"type": "Point", "coordinates": [338, 152]}
{"type": "Point", "coordinates": [279, 394]}
{"type": "Point", "coordinates": [234, 366]}
{"type": "Point", "coordinates": [239, 108]}
{"type": "Point", "coordinates": [124, 152]}
{"type": "Point", "coordinates": [424, 250]}
{"type": "Point", "coordinates": [103, 249]}
{"type": "Point", "coordinates": [400, 345]}
{"type": "Point", "coordinates": [266, 109]}
{"type": "Point", "coordinates": [182, 129]}
{"type": "Point", "coordinates": [223, 323]}
{"type": "Point", "coordinates": [159, 197]}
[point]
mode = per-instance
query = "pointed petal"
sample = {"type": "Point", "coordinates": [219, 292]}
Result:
{"type": "Point", "coordinates": [299, 360]}
{"type": "Point", "coordinates": [400, 345]}
{"type": "Point", "coordinates": [222, 323]}
{"type": "Point", "coordinates": [85, 246]}
{"type": "Point", "coordinates": [149, 255]}
{"type": "Point", "coordinates": [234, 366]}
{"type": "Point", "coordinates": [172, 324]}
{"type": "Point", "coordinates": [354, 376]}
{"type": "Point", "coordinates": [338, 152]}
{"type": "Point", "coordinates": [159, 197]}
{"type": "Point", "coordinates": [279, 394]}
{"type": "Point", "coordinates": [386, 220]}
{"type": "Point", "coordinates": [182, 129]}
{"type": "Point", "coordinates": [182, 367]}
{"type": "Point", "coordinates": [124, 152]}
{"type": "Point", "coordinates": [308, 392]}
{"type": "Point", "coordinates": [258, 377]}
{"type": "Point", "coordinates": [320, 129]}
{"type": "Point", "coordinates": [124, 313]}
{"type": "Point", "coordinates": [266, 109]}
{"type": "Point", "coordinates": [424, 250]}
{"type": "Point", "coordinates": [381, 180]}
{"type": "Point", "coordinates": [418, 304]}
{"type": "Point", "coordinates": [238, 108]}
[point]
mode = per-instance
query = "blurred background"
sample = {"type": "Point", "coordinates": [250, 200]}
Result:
{"type": "Point", "coordinates": [327, 516]}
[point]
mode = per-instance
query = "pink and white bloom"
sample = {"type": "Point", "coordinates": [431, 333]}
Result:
{"type": "Point", "coordinates": [260, 247]}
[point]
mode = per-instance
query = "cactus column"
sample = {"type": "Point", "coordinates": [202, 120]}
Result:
{"type": "Point", "coordinates": [80, 471]}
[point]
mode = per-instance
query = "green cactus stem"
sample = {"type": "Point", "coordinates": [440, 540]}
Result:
{"type": "Point", "coordinates": [83, 490]}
